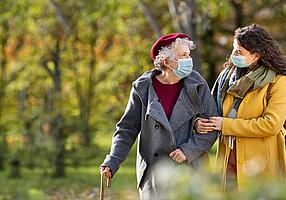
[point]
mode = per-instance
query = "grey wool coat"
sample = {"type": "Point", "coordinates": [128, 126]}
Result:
{"type": "Point", "coordinates": [145, 119]}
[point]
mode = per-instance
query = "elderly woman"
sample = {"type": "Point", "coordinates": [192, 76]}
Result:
{"type": "Point", "coordinates": [251, 97]}
{"type": "Point", "coordinates": [161, 110]}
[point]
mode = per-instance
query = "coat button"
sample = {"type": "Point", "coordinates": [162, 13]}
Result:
{"type": "Point", "coordinates": [156, 155]}
{"type": "Point", "coordinates": [156, 126]}
{"type": "Point", "coordinates": [240, 161]}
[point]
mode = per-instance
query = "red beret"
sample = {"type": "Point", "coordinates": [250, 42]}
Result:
{"type": "Point", "coordinates": [165, 40]}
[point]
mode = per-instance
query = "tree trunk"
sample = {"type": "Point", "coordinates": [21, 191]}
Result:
{"type": "Point", "coordinates": [239, 17]}
{"type": "Point", "coordinates": [173, 9]}
{"type": "Point", "coordinates": [3, 84]}
{"type": "Point", "coordinates": [4, 147]}
{"type": "Point", "coordinates": [186, 22]}
{"type": "Point", "coordinates": [89, 95]}
{"type": "Point", "coordinates": [56, 121]}
{"type": "Point", "coordinates": [151, 19]}
{"type": "Point", "coordinates": [27, 125]}
{"type": "Point", "coordinates": [211, 61]}
{"type": "Point", "coordinates": [57, 131]}
{"type": "Point", "coordinates": [15, 166]}
{"type": "Point", "coordinates": [85, 97]}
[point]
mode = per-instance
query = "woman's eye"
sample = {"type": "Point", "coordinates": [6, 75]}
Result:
{"type": "Point", "coordinates": [237, 52]}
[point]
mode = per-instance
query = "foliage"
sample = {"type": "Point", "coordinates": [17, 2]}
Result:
{"type": "Point", "coordinates": [66, 68]}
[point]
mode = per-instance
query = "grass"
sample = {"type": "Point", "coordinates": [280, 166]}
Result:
{"type": "Point", "coordinates": [80, 183]}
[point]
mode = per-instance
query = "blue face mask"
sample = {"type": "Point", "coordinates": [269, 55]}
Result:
{"type": "Point", "coordinates": [184, 69]}
{"type": "Point", "coordinates": [239, 61]}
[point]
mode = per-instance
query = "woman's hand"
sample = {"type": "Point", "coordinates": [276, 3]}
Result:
{"type": "Point", "coordinates": [203, 126]}
{"type": "Point", "coordinates": [106, 171]}
{"type": "Point", "coordinates": [217, 123]}
{"type": "Point", "coordinates": [178, 156]}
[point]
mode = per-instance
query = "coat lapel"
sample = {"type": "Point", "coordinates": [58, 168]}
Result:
{"type": "Point", "coordinates": [187, 105]}
{"type": "Point", "coordinates": [155, 109]}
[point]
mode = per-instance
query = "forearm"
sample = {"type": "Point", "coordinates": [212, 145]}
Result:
{"type": "Point", "coordinates": [198, 144]}
{"type": "Point", "coordinates": [122, 142]}
{"type": "Point", "coordinates": [258, 127]}
{"type": "Point", "coordinates": [126, 133]}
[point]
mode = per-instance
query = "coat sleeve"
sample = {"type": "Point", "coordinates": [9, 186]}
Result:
{"type": "Point", "coordinates": [269, 124]}
{"type": "Point", "coordinates": [199, 144]}
{"type": "Point", "coordinates": [127, 130]}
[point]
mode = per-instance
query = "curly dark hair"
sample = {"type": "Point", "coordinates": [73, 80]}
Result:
{"type": "Point", "coordinates": [256, 40]}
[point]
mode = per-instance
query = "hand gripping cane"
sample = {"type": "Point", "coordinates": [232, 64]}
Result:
{"type": "Point", "coordinates": [108, 184]}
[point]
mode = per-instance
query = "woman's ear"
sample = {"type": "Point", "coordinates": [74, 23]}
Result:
{"type": "Point", "coordinates": [257, 56]}
{"type": "Point", "coordinates": [166, 62]}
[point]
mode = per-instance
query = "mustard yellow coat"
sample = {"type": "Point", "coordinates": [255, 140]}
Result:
{"type": "Point", "coordinates": [260, 145]}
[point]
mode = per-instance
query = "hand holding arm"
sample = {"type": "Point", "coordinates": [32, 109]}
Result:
{"type": "Point", "coordinates": [216, 123]}
{"type": "Point", "coordinates": [204, 126]}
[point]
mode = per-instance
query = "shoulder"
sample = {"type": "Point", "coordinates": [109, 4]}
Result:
{"type": "Point", "coordinates": [143, 78]}
{"type": "Point", "coordinates": [280, 78]}
{"type": "Point", "coordinates": [279, 82]}
{"type": "Point", "coordinates": [195, 78]}
{"type": "Point", "coordinates": [141, 85]}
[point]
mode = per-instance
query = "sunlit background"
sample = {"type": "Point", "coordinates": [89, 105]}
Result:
{"type": "Point", "coordinates": [66, 67]}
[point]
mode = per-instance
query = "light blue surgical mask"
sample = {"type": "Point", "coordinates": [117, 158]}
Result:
{"type": "Point", "coordinates": [184, 69]}
{"type": "Point", "coordinates": [239, 61]}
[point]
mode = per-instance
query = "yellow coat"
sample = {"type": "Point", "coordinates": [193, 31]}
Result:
{"type": "Point", "coordinates": [260, 145]}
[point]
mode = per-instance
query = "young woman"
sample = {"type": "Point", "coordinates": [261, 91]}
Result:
{"type": "Point", "coordinates": [251, 98]}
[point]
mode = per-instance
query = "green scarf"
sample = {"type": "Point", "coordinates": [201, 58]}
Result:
{"type": "Point", "coordinates": [253, 80]}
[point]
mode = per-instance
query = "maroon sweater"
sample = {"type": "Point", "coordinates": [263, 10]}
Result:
{"type": "Point", "coordinates": [168, 94]}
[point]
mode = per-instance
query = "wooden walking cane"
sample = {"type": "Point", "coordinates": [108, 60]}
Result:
{"type": "Point", "coordinates": [108, 184]}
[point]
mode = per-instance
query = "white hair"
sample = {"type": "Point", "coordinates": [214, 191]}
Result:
{"type": "Point", "coordinates": [167, 52]}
